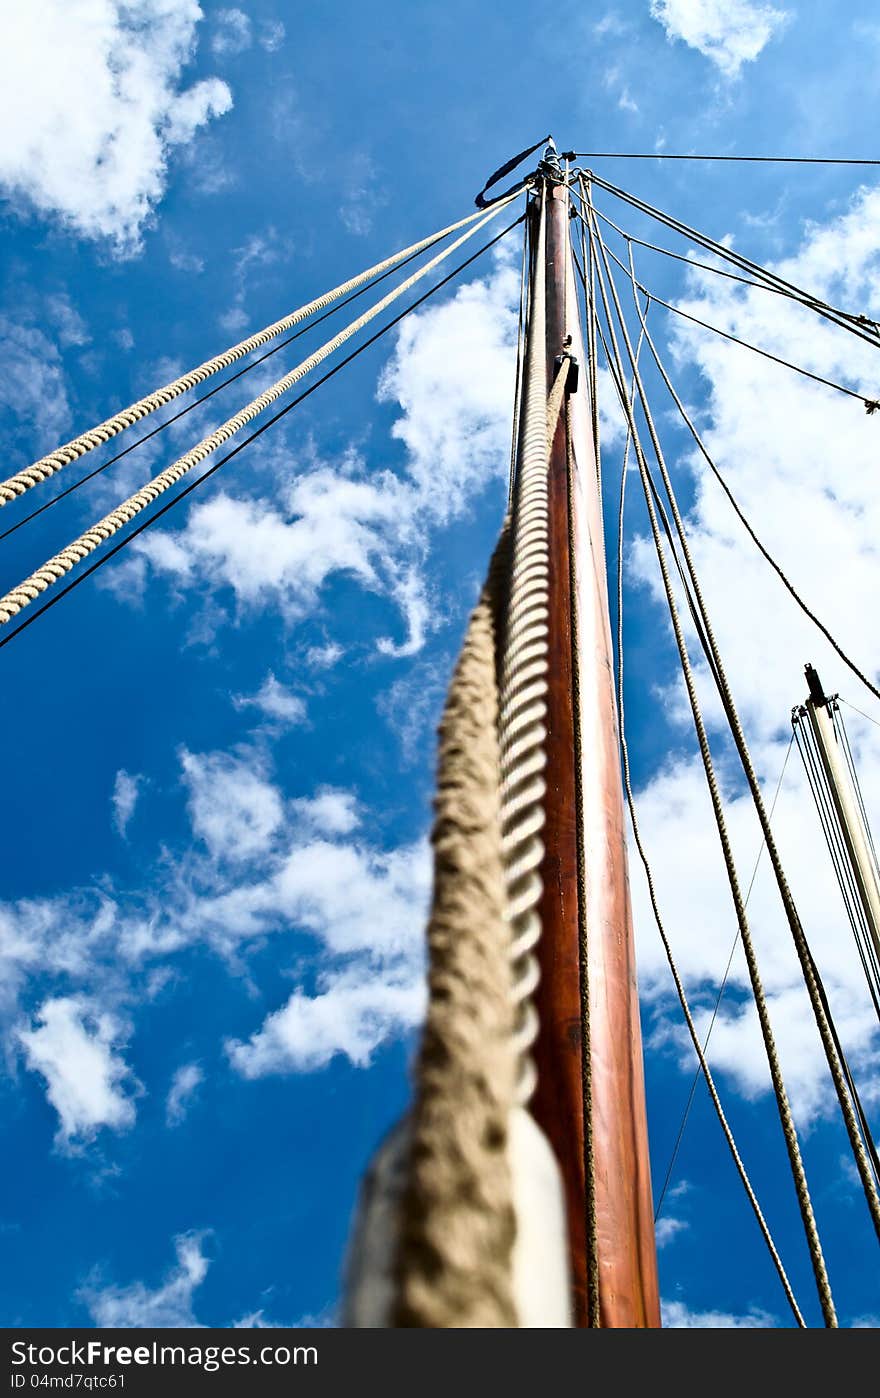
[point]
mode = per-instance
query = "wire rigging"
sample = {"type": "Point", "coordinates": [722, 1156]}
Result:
{"type": "Point", "coordinates": [871, 404]}
{"type": "Point", "coordinates": [805, 299]}
{"type": "Point", "coordinates": [846, 319]}
{"type": "Point", "coordinates": [700, 1050]}
{"type": "Point", "coordinates": [741, 516]}
{"type": "Point", "coordinates": [718, 998]}
{"type": "Point", "coordinates": [786, 1119]}
{"type": "Point", "coordinates": [812, 980]}
{"type": "Point", "coordinates": [741, 159]}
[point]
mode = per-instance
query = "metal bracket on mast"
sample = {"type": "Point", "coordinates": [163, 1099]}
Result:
{"type": "Point", "coordinates": [549, 165]}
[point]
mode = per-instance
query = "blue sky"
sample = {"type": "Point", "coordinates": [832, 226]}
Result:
{"type": "Point", "coordinates": [219, 750]}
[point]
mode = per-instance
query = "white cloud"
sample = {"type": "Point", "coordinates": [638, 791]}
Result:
{"type": "Point", "coordinates": [33, 386]}
{"type": "Point", "coordinates": [351, 1015]}
{"type": "Point", "coordinates": [328, 524]}
{"type": "Point", "coordinates": [126, 789]}
{"type": "Point", "coordinates": [169, 1306]}
{"type": "Point", "coordinates": [801, 461]}
{"type": "Point", "coordinates": [324, 657]}
{"type": "Point", "coordinates": [258, 251]}
{"type": "Point", "coordinates": [232, 807]}
{"type": "Point", "coordinates": [667, 1228]}
{"type": "Point", "coordinates": [728, 32]}
{"type": "Point", "coordinates": [412, 706]}
{"type": "Point", "coordinates": [610, 26]}
{"type": "Point", "coordinates": [362, 194]}
{"type": "Point", "coordinates": [272, 35]}
{"type": "Point", "coordinates": [73, 1048]}
{"type": "Point", "coordinates": [452, 375]}
{"type": "Point", "coordinates": [351, 916]}
{"type": "Point", "coordinates": [183, 260]}
{"type": "Point", "coordinates": [96, 156]}
{"type": "Point", "coordinates": [356, 898]}
{"type": "Point", "coordinates": [678, 1316]}
{"type": "Point", "coordinates": [233, 33]}
{"type": "Point", "coordinates": [329, 812]}
{"type": "Point", "coordinates": [70, 328]}
{"type": "Point", "coordinates": [275, 700]}
{"type": "Point", "coordinates": [185, 1083]}
{"type": "Point", "coordinates": [366, 907]}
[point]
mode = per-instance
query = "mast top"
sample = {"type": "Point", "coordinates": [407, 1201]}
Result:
{"type": "Point", "coordinates": [817, 693]}
{"type": "Point", "coordinates": [549, 165]}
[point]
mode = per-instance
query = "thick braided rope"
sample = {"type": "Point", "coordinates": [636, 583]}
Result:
{"type": "Point", "coordinates": [28, 590]}
{"type": "Point", "coordinates": [96, 436]}
{"type": "Point", "coordinates": [808, 969]}
{"type": "Point", "coordinates": [457, 1224]}
{"type": "Point", "coordinates": [785, 1115]}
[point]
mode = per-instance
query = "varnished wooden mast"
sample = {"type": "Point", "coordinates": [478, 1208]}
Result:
{"type": "Point", "coordinates": [590, 1098]}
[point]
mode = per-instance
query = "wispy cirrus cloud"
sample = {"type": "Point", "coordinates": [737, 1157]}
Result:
{"type": "Point", "coordinates": [677, 1315]}
{"type": "Point", "coordinates": [126, 790]}
{"type": "Point", "coordinates": [186, 1082]}
{"type": "Point", "coordinates": [137, 1306]}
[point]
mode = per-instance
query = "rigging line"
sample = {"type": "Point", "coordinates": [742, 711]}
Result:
{"type": "Point", "coordinates": [25, 592]}
{"type": "Point", "coordinates": [860, 711]}
{"type": "Point", "coordinates": [747, 159]}
{"type": "Point", "coordinates": [661, 509]}
{"type": "Point", "coordinates": [667, 528]}
{"type": "Point", "coordinates": [718, 998]}
{"type": "Point", "coordinates": [762, 549]}
{"type": "Point", "coordinates": [47, 465]}
{"type": "Point", "coordinates": [805, 299]}
{"type": "Point", "coordinates": [258, 432]}
{"type": "Point", "coordinates": [679, 985]}
{"type": "Point", "coordinates": [740, 260]}
{"type": "Point", "coordinates": [870, 403]}
{"type": "Point", "coordinates": [518, 379]}
{"type": "Point", "coordinates": [591, 321]}
{"type": "Point", "coordinates": [705, 240]}
{"type": "Point", "coordinates": [282, 344]}
{"type": "Point", "coordinates": [785, 1115]}
{"type": "Point", "coordinates": [584, 267]}
{"type": "Point", "coordinates": [824, 1023]}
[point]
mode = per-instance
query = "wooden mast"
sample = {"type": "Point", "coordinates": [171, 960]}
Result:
{"type": "Point", "coordinates": [590, 1098]}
